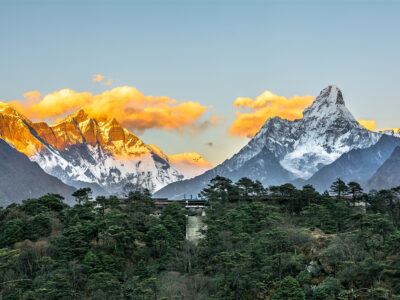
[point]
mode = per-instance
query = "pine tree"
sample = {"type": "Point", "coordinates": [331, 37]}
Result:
{"type": "Point", "coordinates": [141, 270]}
{"type": "Point", "coordinates": [339, 188]}
{"type": "Point", "coordinates": [82, 195]}
{"type": "Point", "coordinates": [355, 191]}
{"type": "Point", "coordinates": [289, 290]}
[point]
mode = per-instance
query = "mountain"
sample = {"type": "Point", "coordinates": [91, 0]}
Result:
{"type": "Point", "coordinates": [83, 151]}
{"type": "Point", "coordinates": [388, 175]}
{"type": "Point", "coordinates": [291, 149]}
{"type": "Point", "coordinates": [391, 131]}
{"type": "Point", "coordinates": [356, 165]}
{"type": "Point", "coordinates": [21, 178]}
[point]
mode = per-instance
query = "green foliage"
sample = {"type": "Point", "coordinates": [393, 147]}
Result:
{"type": "Point", "coordinates": [82, 195]}
{"type": "Point", "coordinates": [8, 258]}
{"type": "Point", "coordinates": [103, 285]}
{"type": "Point", "coordinates": [257, 243]}
{"type": "Point", "coordinates": [289, 290]}
{"type": "Point", "coordinates": [339, 189]}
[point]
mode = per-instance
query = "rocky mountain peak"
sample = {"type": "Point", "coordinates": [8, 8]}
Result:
{"type": "Point", "coordinates": [331, 93]}
{"type": "Point", "coordinates": [6, 110]}
{"type": "Point", "coordinates": [327, 110]}
{"type": "Point", "coordinates": [79, 116]}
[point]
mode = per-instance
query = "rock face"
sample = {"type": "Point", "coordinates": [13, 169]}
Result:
{"type": "Point", "coordinates": [21, 178]}
{"type": "Point", "coordinates": [83, 151]}
{"type": "Point", "coordinates": [388, 175]}
{"type": "Point", "coordinates": [285, 149]}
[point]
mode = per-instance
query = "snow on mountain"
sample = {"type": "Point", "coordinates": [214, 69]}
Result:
{"type": "Point", "coordinates": [391, 131]}
{"type": "Point", "coordinates": [326, 131]}
{"type": "Point", "coordinates": [302, 147]}
{"type": "Point", "coordinates": [356, 165]}
{"type": "Point", "coordinates": [83, 151]}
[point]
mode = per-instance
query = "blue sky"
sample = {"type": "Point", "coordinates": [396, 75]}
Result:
{"type": "Point", "coordinates": [209, 52]}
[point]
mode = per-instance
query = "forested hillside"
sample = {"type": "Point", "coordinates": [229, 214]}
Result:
{"type": "Point", "coordinates": [258, 243]}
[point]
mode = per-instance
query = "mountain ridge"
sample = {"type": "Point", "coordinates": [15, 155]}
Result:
{"type": "Point", "coordinates": [388, 174]}
{"type": "Point", "coordinates": [98, 152]}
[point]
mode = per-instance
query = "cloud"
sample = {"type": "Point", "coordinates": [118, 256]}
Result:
{"type": "Point", "coordinates": [33, 96]}
{"type": "Point", "coordinates": [102, 79]}
{"type": "Point", "coordinates": [371, 125]}
{"type": "Point", "coordinates": [368, 124]}
{"type": "Point", "coordinates": [97, 77]}
{"type": "Point", "coordinates": [108, 82]}
{"type": "Point", "coordinates": [130, 107]}
{"type": "Point", "coordinates": [190, 164]}
{"type": "Point", "coordinates": [265, 106]}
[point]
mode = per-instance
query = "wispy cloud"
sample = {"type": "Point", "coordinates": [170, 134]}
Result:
{"type": "Point", "coordinates": [97, 78]}
{"type": "Point", "coordinates": [108, 82]}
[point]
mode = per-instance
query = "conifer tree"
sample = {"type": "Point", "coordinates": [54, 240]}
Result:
{"type": "Point", "coordinates": [289, 290]}
{"type": "Point", "coordinates": [339, 189]}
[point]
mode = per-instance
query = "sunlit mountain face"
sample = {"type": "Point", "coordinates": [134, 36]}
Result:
{"type": "Point", "coordinates": [99, 152]}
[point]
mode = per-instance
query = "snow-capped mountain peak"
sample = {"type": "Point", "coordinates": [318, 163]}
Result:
{"type": "Point", "coordinates": [81, 151]}
{"type": "Point", "coordinates": [329, 105]}
{"type": "Point", "coordinates": [326, 131]}
{"type": "Point", "coordinates": [283, 149]}
{"type": "Point", "coordinates": [302, 146]}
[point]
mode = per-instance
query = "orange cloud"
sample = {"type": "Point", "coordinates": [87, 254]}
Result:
{"type": "Point", "coordinates": [190, 164]}
{"type": "Point", "coordinates": [33, 96]}
{"type": "Point", "coordinates": [130, 107]}
{"type": "Point", "coordinates": [371, 125]}
{"type": "Point", "coordinates": [108, 82]}
{"type": "Point", "coordinates": [102, 79]}
{"type": "Point", "coordinates": [265, 106]}
{"type": "Point", "coordinates": [97, 77]}
{"type": "Point", "coordinates": [368, 124]}
{"type": "Point", "coordinates": [192, 158]}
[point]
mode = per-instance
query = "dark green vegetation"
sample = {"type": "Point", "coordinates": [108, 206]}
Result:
{"type": "Point", "coordinates": [275, 243]}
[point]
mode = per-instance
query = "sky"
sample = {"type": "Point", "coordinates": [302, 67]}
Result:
{"type": "Point", "coordinates": [199, 75]}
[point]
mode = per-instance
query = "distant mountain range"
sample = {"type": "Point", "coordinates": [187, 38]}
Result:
{"type": "Point", "coordinates": [327, 143]}
{"type": "Point", "coordinates": [99, 153]}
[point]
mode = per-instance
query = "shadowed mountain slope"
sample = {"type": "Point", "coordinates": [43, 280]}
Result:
{"type": "Point", "coordinates": [21, 178]}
